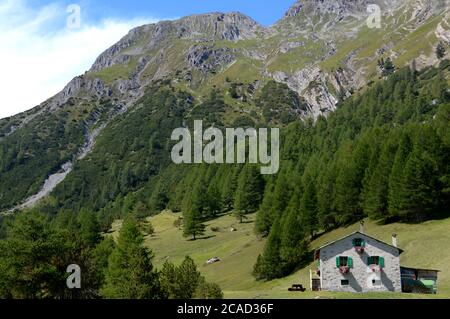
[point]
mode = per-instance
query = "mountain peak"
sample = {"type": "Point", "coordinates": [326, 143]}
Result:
{"type": "Point", "coordinates": [230, 26]}
{"type": "Point", "coordinates": [329, 7]}
{"type": "Point", "coordinates": [215, 26]}
{"type": "Point", "coordinates": [344, 7]}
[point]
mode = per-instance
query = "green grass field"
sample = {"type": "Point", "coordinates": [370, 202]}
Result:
{"type": "Point", "coordinates": [426, 245]}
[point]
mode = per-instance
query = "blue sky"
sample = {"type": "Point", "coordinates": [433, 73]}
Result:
{"type": "Point", "coordinates": [264, 11]}
{"type": "Point", "coordinates": [40, 53]}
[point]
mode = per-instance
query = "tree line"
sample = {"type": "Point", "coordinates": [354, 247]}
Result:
{"type": "Point", "coordinates": [36, 250]}
{"type": "Point", "coordinates": [383, 154]}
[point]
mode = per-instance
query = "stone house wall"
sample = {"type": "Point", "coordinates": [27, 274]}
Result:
{"type": "Point", "coordinates": [360, 278]}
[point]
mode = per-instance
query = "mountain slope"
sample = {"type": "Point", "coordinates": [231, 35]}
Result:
{"type": "Point", "coordinates": [100, 150]}
{"type": "Point", "coordinates": [322, 50]}
{"type": "Point", "coordinates": [423, 245]}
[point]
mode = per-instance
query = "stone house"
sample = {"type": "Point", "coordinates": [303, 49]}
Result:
{"type": "Point", "coordinates": [358, 263]}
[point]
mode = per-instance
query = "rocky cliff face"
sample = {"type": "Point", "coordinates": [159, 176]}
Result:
{"type": "Point", "coordinates": [334, 24]}
{"type": "Point", "coordinates": [319, 7]}
{"type": "Point", "coordinates": [198, 28]}
{"type": "Point", "coordinates": [218, 26]}
{"type": "Point", "coordinates": [320, 30]}
{"type": "Point", "coordinates": [148, 45]}
{"type": "Point", "coordinates": [321, 49]}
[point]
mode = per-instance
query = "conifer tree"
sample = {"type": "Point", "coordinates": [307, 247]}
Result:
{"type": "Point", "coordinates": [417, 196]}
{"type": "Point", "coordinates": [424, 176]}
{"type": "Point", "coordinates": [408, 106]}
{"type": "Point", "coordinates": [158, 201]}
{"type": "Point", "coordinates": [30, 259]}
{"type": "Point", "coordinates": [195, 211]}
{"type": "Point", "coordinates": [376, 192]}
{"type": "Point", "coordinates": [308, 207]}
{"type": "Point", "coordinates": [325, 197]}
{"type": "Point", "coordinates": [443, 123]}
{"type": "Point", "coordinates": [35, 255]}
{"type": "Point", "coordinates": [169, 281]}
{"type": "Point", "coordinates": [263, 218]}
{"type": "Point", "coordinates": [387, 66]}
{"type": "Point", "coordinates": [208, 290]}
{"type": "Point", "coordinates": [89, 227]}
{"type": "Point", "coordinates": [295, 237]}
{"type": "Point", "coordinates": [185, 282]}
{"type": "Point", "coordinates": [214, 201]}
{"type": "Point", "coordinates": [440, 50]}
{"type": "Point", "coordinates": [396, 177]}
{"type": "Point", "coordinates": [229, 187]}
{"type": "Point", "coordinates": [130, 273]}
{"type": "Point", "coordinates": [100, 255]}
{"type": "Point", "coordinates": [249, 192]}
{"type": "Point", "coordinates": [439, 87]}
{"type": "Point", "coordinates": [268, 264]}
{"type": "Point", "coordinates": [193, 223]}
{"type": "Point", "coordinates": [348, 188]}
{"type": "Point", "coordinates": [281, 194]}
{"type": "Point", "coordinates": [188, 278]}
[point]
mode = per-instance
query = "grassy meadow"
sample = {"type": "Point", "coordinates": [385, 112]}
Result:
{"type": "Point", "coordinates": [425, 245]}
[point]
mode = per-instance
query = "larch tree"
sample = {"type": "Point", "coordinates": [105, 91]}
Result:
{"type": "Point", "coordinates": [249, 192]}
{"type": "Point", "coordinates": [195, 211]}
{"type": "Point", "coordinates": [130, 273]}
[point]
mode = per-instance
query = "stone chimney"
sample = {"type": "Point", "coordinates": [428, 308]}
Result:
{"type": "Point", "coordinates": [361, 227]}
{"type": "Point", "coordinates": [394, 240]}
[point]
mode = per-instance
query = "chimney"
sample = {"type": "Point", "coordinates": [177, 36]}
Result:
{"type": "Point", "coordinates": [394, 240]}
{"type": "Point", "coordinates": [361, 227]}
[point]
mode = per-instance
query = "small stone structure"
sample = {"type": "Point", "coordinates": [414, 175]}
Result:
{"type": "Point", "coordinates": [358, 263]}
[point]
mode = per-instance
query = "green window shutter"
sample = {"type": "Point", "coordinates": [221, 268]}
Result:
{"type": "Point", "coordinates": [350, 262]}
{"type": "Point", "coordinates": [369, 260]}
{"type": "Point", "coordinates": [363, 243]}
{"type": "Point", "coordinates": [381, 262]}
{"type": "Point", "coordinates": [338, 262]}
{"type": "Point", "coordinates": [353, 242]}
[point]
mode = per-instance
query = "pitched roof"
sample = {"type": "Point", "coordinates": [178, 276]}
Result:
{"type": "Point", "coordinates": [358, 232]}
{"type": "Point", "coordinates": [421, 269]}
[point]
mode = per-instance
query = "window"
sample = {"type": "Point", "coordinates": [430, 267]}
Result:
{"type": "Point", "coordinates": [359, 242]}
{"type": "Point", "coordinates": [376, 260]}
{"type": "Point", "coordinates": [376, 282]}
{"type": "Point", "coordinates": [345, 282]}
{"type": "Point", "coordinates": [344, 261]}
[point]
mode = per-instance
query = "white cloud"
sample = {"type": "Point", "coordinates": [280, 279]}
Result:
{"type": "Point", "coordinates": [37, 61]}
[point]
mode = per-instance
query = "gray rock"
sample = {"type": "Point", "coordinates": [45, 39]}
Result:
{"type": "Point", "coordinates": [206, 59]}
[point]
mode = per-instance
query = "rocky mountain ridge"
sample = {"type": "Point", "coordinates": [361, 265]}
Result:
{"type": "Point", "coordinates": [321, 49]}
{"type": "Point", "coordinates": [145, 47]}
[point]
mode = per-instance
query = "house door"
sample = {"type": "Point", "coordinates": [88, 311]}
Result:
{"type": "Point", "coordinates": [315, 284]}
